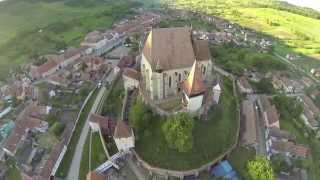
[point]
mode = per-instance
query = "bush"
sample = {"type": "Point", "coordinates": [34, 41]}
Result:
{"type": "Point", "coordinates": [140, 116]}
{"type": "Point", "coordinates": [178, 132]}
{"type": "Point", "coordinates": [57, 128]}
{"type": "Point", "coordinates": [260, 169]}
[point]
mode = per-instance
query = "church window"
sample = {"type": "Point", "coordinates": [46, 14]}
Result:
{"type": "Point", "coordinates": [169, 81]}
{"type": "Point", "coordinates": [204, 70]}
{"type": "Point", "coordinates": [179, 77]}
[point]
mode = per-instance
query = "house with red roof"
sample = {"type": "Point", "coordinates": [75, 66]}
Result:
{"type": "Point", "coordinates": [193, 89]}
{"type": "Point", "coordinates": [123, 136]}
{"type": "Point", "coordinates": [131, 78]}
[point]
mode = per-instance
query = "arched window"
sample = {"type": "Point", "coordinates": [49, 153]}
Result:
{"type": "Point", "coordinates": [169, 81]}
{"type": "Point", "coordinates": [179, 77]}
{"type": "Point", "coordinates": [204, 70]}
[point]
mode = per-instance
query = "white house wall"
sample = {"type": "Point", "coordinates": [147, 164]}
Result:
{"type": "Point", "coordinates": [124, 144]}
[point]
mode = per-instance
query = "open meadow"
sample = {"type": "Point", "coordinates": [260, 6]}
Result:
{"type": "Point", "coordinates": [293, 29]}
{"type": "Point", "coordinates": [32, 28]}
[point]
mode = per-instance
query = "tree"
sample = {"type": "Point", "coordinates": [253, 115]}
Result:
{"type": "Point", "coordinates": [260, 169]}
{"type": "Point", "coordinates": [140, 116]}
{"type": "Point", "coordinates": [57, 128]}
{"type": "Point", "coordinates": [290, 108]}
{"type": "Point", "coordinates": [178, 132]}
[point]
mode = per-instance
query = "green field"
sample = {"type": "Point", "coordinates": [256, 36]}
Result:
{"type": "Point", "coordinates": [295, 32]}
{"type": "Point", "coordinates": [211, 138]}
{"type": "Point", "coordinates": [32, 28]}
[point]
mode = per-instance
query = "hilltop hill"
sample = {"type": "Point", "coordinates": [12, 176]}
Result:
{"type": "Point", "coordinates": [297, 28]}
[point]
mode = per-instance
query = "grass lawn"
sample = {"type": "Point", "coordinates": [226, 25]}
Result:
{"type": "Point", "coordinates": [236, 60]}
{"type": "Point", "coordinates": [211, 138]}
{"type": "Point", "coordinates": [239, 158]}
{"type": "Point", "coordinates": [113, 104]}
{"type": "Point", "coordinates": [14, 172]}
{"type": "Point", "coordinates": [29, 29]}
{"type": "Point", "coordinates": [98, 155]}
{"type": "Point", "coordinates": [66, 161]}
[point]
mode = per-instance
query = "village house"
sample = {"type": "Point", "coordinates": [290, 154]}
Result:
{"type": "Point", "coordinates": [93, 63]}
{"type": "Point", "coordinates": [289, 149]}
{"type": "Point", "coordinates": [315, 72]}
{"type": "Point", "coordinates": [49, 67]}
{"type": "Point", "coordinates": [141, 22]}
{"type": "Point", "coordinates": [311, 113]}
{"type": "Point", "coordinates": [219, 37]}
{"type": "Point", "coordinates": [18, 89]}
{"type": "Point", "coordinates": [58, 80]}
{"type": "Point", "coordinates": [167, 58]}
{"type": "Point", "coordinates": [55, 62]}
{"type": "Point", "coordinates": [126, 62]}
{"type": "Point", "coordinates": [130, 78]}
{"type": "Point", "coordinates": [98, 43]}
{"type": "Point", "coordinates": [244, 85]}
{"type": "Point", "coordinates": [294, 174]}
{"type": "Point", "coordinates": [95, 67]}
{"type": "Point", "coordinates": [123, 136]}
{"type": "Point", "coordinates": [249, 131]}
{"type": "Point", "coordinates": [93, 175]}
{"type": "Point", "coordinates": [276, 134]}
{"type": "Point", "coordinates": [282, 83]}
{"type": "Point", "coordinates": [270, 113]}
{"type": "Point", "coordinates": [27, 120]}
{"type": "Point", "coordinates": [101, 123]}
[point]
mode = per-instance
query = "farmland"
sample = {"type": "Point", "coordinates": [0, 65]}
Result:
{"type": "Point", "coordinates": [293, 31]}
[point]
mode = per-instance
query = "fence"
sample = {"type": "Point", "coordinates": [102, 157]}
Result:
{"type": "Point", "coordinates": [194, 172]}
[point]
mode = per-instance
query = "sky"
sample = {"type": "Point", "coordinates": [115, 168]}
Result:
{"type": "Point", "coordinates": [315, 4]}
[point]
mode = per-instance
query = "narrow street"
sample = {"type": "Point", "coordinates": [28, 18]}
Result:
{"type": "Point", "coordinates": [73, 173]}
{"type": "Point", "coordinates": [261, 149]}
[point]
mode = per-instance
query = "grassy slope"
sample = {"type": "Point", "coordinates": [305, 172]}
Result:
{"type": "Point", "coordinates": [62, 25]}
{"type": "Point", "coordinates": [211, 138]}
{"type": "Point", "coordinates": [296, 32]}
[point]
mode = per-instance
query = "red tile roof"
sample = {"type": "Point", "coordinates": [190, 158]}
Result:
{"type": "Point", "coordinates": [23, 123]}
{"type": "Point", "coordinates": [194, 85]}
{"type": "Point", "coordinates": [47, 66]}
{"type": "Point", "coordinates": [169, 48]}
{"type": "Point", "coordinates": [132, 73]}
{"type": "Point", "coordinates": [122, 130]}
{"type": "Point", "coordinates": [94, 176]}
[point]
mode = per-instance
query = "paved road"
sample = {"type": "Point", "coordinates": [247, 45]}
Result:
{"type": "Point", "coordinates": [73, 173]}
